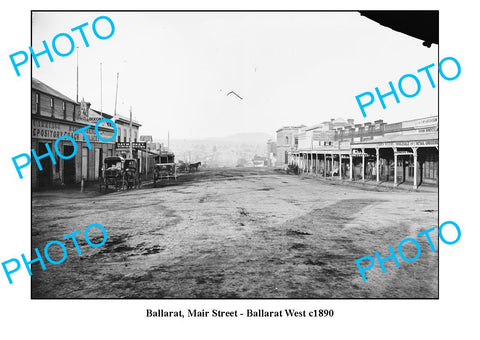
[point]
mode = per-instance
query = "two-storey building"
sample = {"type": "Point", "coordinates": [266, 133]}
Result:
{"type": "Point", "coordinates": [403, 152]}
{"type": "Point", "coordinates": [54, 115]}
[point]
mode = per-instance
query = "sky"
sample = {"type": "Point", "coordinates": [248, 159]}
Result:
{"type": "Point", "coordinates": [176, 69]}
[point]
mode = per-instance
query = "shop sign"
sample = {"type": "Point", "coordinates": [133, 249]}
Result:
{"type": "Point", "coordinates": [135, 145]}
{"type": "Point", "coordinates": [139, 145]}
{"type": "Point", "coordinates": [87, 115]}
{"type": "Point", "coordinates": [432, 142]}
{"type": "Point", "coordinates": [51, 130]}
{"type": "Point", "coordinates": [417, 123]}
{"type": "Point", "coordinates": [92, 119]}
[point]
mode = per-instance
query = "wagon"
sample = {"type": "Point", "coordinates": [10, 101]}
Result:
{"type": "Point", "coordinates": [164, 171]}
{"type": "Point", "coordinates": [132, 175]}
{"type": "Point", "coordinates": [113, 173]}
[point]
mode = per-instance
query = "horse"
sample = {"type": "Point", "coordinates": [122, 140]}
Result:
{"type": "Point", "coordinates": [194, 166]}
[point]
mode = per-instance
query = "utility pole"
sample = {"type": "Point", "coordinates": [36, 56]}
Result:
{"type": "Point", "coordinates": [130, 135]}
{"type": "Point", "coordinates": [116, 95]}
{"type": "Point", "coordinates": [101, 94]}
{"type": "Point", "coordinates": [77, 74]}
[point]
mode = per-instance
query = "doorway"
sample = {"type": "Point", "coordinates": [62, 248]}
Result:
{"type": "Point", "coordinates": [68, 166]}
{"type": "Point", "coordinates": [45, 175]}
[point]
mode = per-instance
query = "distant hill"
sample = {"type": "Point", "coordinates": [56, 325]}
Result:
{"type": "Point", "coordinates": [238, 138]}
{"type": "Point", "coordinates": [221, 151]}
{"type": "Point", "coordinates": [245, 138]}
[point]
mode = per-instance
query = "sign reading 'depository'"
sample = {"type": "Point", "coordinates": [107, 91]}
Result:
{"type": "Point", "coordinates": [67, 137]}
{"type": "Point", "coordinates": [58, 131]}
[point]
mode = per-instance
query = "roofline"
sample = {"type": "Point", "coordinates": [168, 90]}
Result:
{"type": "Point", "coordinates": [291, 127]}
{"type": "Point", "coordinates": [411, 120]}
{"type": "Point", "coordinates": [34, 81]}
{"type": "Point", "coordinates": [314, 126]}
{"type": "Point", "coordinates": [52, 95]}
{"type": "Point", "coordinates": [128, 121]}
{"type": "Point", "coordinates": [68, 99]}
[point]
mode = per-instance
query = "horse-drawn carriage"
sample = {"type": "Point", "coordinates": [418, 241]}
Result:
{"type": "Point", "coordinates": [188, 167]}
{"type": "Point", "coordinates": [119, 173]}
{"type": "Point", "coordinates": [164, 168]}
{"type": "Point", "coordinates": [132, 175]}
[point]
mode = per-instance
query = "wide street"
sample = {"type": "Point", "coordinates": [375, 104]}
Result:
{"type": "Point", "coordinates": [236, 233]}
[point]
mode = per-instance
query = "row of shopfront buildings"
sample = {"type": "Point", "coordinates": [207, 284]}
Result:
{"type": "Point", "coordinates": [55, 115]}
{"type": "Point", "coordinates": [402, 152]}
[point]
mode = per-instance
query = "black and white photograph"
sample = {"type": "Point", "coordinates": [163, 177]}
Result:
{"type": "Point", "coordinates": [235, 154]}
{"type": "Point", "coordinates": [239, 170]}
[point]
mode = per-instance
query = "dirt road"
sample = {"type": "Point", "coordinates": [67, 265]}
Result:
{"type": "Point", "coordinates": [236, 233]}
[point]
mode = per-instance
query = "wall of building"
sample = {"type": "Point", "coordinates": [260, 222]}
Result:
{"type": "Point", "coordinates": [403, 138]}
{"type": "Point", "coordinates": [49, 122]}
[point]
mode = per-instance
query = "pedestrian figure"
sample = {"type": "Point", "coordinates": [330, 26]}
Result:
{"type": "Point", "coordinates": [369, 170]}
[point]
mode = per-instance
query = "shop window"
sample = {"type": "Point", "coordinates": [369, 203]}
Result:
{"type": "Point", "coordinates": [411, 171]}
{"type": "Point", "coordinates": [430, 166]}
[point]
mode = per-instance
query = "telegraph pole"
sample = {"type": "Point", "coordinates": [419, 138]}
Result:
{"type": "Point", "coordinates": [116, 95]}
{"type": "Point", "coordinates": [130, 135]}
{"type": "Point", "coordinates": [101, 94]}
{"type": "Point", "coordinates": [77, 74]}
